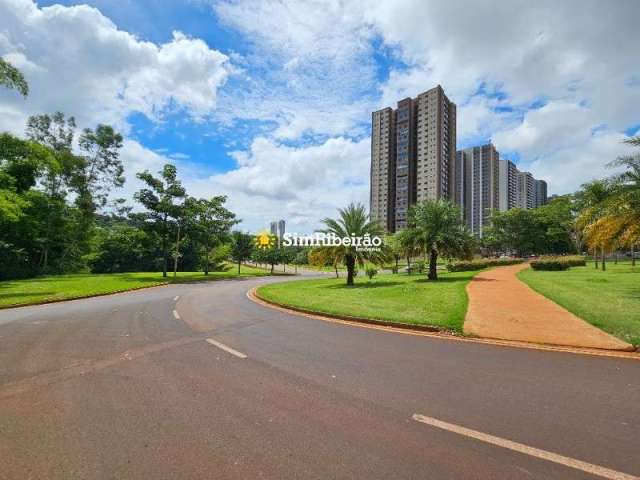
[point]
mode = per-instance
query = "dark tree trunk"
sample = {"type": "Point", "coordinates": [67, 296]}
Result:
{"type": "Point", "coordinates": [336, 268]}
{"type": "Point", "coordinates": [175, 259]}
{"type": "Point", "coordinates": [239, 263]}
{"type": "Point", "coordinates": [633, 256]}
{"type": "Point", "coordinates": [206, 261]}
{"type": "Point", "coordinates": [433, 263]}
{"type": "Point", "coordinates": [272, 267]}
{"type": "Point", "coordinates": [595, 257]}
{"type": "Point", "coordinates": [164, 246]}
{"type": "Point", "coordinates": [408, 265]}
{"type": "Point", "coordinates": [350, 262]}
{"type": "Point", "coordinates": [397, 260]}
{"type": "Point", "coordinates": [604, 260]}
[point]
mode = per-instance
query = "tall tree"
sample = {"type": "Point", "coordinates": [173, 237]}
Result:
{"type": "Point", "coordinates": [102, 167]}
{"type": "Point", "coordinates": [12, 78]}
{"type": "Point", "coordinates": [353, 221]}
{"type": "Point", "coordinates": [241, 247]}
{"type": "Point", "coordinates": [438, 227]}
{"type": "Point", "coordinates": [161, 201]}
{"type": "Point", "coordinates": [209, 223]}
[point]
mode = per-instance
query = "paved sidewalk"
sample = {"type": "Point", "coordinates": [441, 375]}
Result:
{"type": "Point", "coordinates": [503, 307]}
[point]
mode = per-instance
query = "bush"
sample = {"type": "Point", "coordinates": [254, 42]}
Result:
{"type": "Point", "coordinates": [472, 265]}
{"type": "Point", "coordinates": [418, 266]}
{"type": "Point", "coordinates": [394, 269]}
{"type": "Point", "coordinates": [558, 263]}
{"type": "Point", "coordinates": [371, 272]}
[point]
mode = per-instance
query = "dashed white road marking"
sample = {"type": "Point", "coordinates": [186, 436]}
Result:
{"type": "Point", "coordinates": [525, 449]}
{"type": "Point", "coordinates": [175, 299]}
{"type": "Point", "coordinates": [176, 315]}
{"type": "Point", "coordinates": [227, 349]}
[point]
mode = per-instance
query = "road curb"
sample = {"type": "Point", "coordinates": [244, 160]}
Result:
{"type": "Point", "coordinates": [434, 332]}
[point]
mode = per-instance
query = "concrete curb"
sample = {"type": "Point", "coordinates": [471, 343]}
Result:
{"type": "Point", "coordinates": [433, 332]}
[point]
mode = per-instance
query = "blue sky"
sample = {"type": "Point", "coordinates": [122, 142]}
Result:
{"type": "Point", "coordinates": [269, 101]}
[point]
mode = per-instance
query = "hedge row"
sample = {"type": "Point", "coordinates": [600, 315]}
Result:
{"type": "Point", "coordinates": [479, 264]}
{"type": "Point", "coordinates": [558, 263]}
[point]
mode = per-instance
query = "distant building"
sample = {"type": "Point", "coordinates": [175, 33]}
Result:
{"type": "Point", "coordinates": [485, 183]}
{"type": "Point", "coordinates": [478, 185]}
{"type": "Point", "coordinates": [508, 185]}
{"type": "Point", "coordinates": [412, 156]}
{"type": "Point", "coordinates": [540, 193]}
{"type": "Point", "coordinates": [525, 194]}
{"type": "Point", "coordinates": [277, 229]}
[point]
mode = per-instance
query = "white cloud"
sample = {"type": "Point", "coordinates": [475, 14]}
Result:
{"type": "Point", "coordinates": [76, 60]}
{"type": "Point", "coordinates": [302, 184]}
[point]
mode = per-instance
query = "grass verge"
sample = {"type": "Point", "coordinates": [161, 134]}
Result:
{"type": "Point", "coordinates": [54, 288]}
{"type": "Point", "coordinates": [609, 300]}
{"type": "Point", "coordinates": [401, 298]}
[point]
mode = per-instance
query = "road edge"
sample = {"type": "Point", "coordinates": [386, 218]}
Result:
{"type": "Point", "coordinates": [433, 332]}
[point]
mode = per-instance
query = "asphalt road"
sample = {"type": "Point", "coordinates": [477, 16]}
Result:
{"type": "Point", "coordinates": [127, 386]}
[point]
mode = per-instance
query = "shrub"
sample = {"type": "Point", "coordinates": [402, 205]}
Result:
{"type": "Point", "coordinates": [418, 266]}
{"type": "Point", "coordinates": [558, 263]}
{"type": "Point", "coordinates": [371, 272]}
{"type": "Point", "coordinates": [394, 269]}
{"type": "Point", "coordinates": [471, 265]}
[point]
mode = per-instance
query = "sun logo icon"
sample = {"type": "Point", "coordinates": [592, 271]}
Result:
{"type": "Point", "coordinates": [264, 240]}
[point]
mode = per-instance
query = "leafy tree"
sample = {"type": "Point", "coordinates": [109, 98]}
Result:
{"type": "Point", "coordinates": [353, 221]}
{"type": "Point", "coordinates": [325, 257]}
{"type": "Point", "coordinates": [12, 78]}
{"type": "Point", "coordinates": [160, 199]}
{"type": "Point", "coordinates": [271, 256]}
{"type": "Point", "coordinates": [437, 227]}
{"type": "Point", "coordinates": [209, 223]}
{"type": "Point", "coordinates": [125, 248]}
{"type": "Point", "coordinates": [241, 247]}
{"type": "Point", "coordinates": [101, 168]}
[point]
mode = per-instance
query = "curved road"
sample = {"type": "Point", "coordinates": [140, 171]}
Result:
{"type": "Point", "coordinates": [196, 381]}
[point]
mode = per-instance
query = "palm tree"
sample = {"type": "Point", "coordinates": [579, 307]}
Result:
{"type": "Point", "coordinates": [353, 221]}
{"type": "Point", "coordinates": [409, 245]}
{"type": "Point", "coordinates": [437, 226]}
{"type": "Point", "coordinates": [593, 201]}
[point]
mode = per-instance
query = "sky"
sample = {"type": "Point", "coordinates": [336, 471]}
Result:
{"type": "Point", "coordinates": [269, 102]}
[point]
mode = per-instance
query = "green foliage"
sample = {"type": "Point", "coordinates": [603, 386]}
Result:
{"type": "Point", "coordinates": [479, 264]}
{"type": "Point", "coordinates": [547, 229]}
{"type": "Point", "coordinates": [352, 221]}
{"type": "Point", "coordinates": [241, 247]}
{"type": "Point", "coordinates": [371, 272]}
{"type": "Point", "coordinates": [558, 263]}
{"type": "Point", "coordinates": [12, 78]}
{"type": "Point", "coordinates": [160, 199]}
{"type": "Point", "coordinates": [436, 228]}
{"type": "Point", "coordinates": [124, 248]}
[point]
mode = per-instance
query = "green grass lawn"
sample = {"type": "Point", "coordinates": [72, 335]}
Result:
{"type": "Point", "coordinates": [65, 287]}
{"type": "Point", "coordinates": [609, 300]}
{"type": "Point", "coordinates": [397, 298]}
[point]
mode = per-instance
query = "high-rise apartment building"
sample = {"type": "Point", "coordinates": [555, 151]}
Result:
{"type": "Point", "coordinates": [478, 185]}
{"type": "Point", "coordinates": [412, 156]}
{"type": "Point", "coordinates": [525, 194]}
{"type": "Point", "coordinates": [540, 193]}
{"type": "Point", "coordinates": [383, 168]}
{"type": "Point", "coordinates": [508, 185]}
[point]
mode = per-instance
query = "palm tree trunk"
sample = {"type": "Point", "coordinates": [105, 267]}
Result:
{"type": "Point", "coordinates": [350, 262]}
{"type": "Point", "coordinates": [433, 262]}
